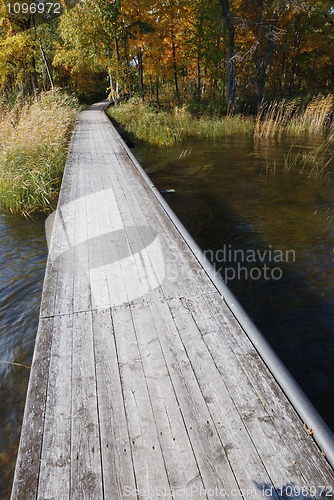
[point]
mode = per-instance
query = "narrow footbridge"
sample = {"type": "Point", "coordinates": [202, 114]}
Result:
{"type": "Point", "coordinates": [144, 383]}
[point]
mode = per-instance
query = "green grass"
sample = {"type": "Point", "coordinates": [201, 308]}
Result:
{"type": "Point", "coordinates": [33, 151]}
{"type": "Point", "coordinates": [34, 139]}
{"type": "Point", "coordinates": [165, 128]}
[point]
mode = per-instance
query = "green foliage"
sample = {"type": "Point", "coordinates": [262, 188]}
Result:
{"type": "Point", "coordinates": [26, 47]}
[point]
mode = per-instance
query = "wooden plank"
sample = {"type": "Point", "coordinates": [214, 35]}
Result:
{"type": "Point", "coordinates": [183, 474]}
{"type": "Point", "coordinates": [80, 264]}
{"type": "Point", "coordinates": [148, 461]}
{"type": "Point", "coordinates": [111, 223]}
{"type": "Point", "coordinates": [59, 239]}
{"type": "Point", "coordinates": [27, 469]}
{"type": "Point", "coordinates": [149, 265]}
{"type": "Point", "coordinates": [48, 299]}
{"type": "Point", "coordinates": [117, 466]}
{"type": "Point", "coordinates": [145, 271]}
{"type": "Point", "coordinates": [209, 450]}
{"type": "Point", "coordinates": [238, 444]}
{"type": "Point", "coordinates": [137, 274]}
{"type": "Point", "coordinates": [183, 266]}
{"type": "Point", "coordinates": [54, 479]}
{"type": "Point", "coordinates": [86, 470]}
{"type": "Point", "coordinates": [114, 273]}
{"type": "Point", "coordinates": [65, 283]}
{"type": "Point", "coordinates": [98, 279]}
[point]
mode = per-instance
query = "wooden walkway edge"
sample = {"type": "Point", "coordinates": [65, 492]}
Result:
{"type": "Point", "coordinates": [143, 384]}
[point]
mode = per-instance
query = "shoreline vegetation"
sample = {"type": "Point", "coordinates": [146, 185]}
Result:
{"type": "Point", "coordinates": [168, 127]}
{"type": "Point", "coordinates": [34, 139]}
{"type": "Point", "coordinates": [35, 136]}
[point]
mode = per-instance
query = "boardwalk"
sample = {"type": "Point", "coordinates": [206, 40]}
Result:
{"type": "Point", "coordinates": [143, 383]}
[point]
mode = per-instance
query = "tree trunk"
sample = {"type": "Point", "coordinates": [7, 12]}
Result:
{"type": "Point", "coordinates": [157, 94]}
{"type": "Point", "coordinates": [118, 58]}
{"type": "Point", "coordinates": [176, 81]}
{"type": "Point", "coordinates": [141, 73]}
{"type": "Point", "coordinates": [230, 61]}
{"type": "Point", "coordinates": [199, 58]}
{"type": "Point", "coordinates": [34, 79]}
{"type": "Point", "coordinates": [198, 82]}
{"type": "Point", "coordinates": [128, 68]}
{"type": "Point", "coordinates": [47, 67]}
{"type": "Point", "coordinates": [262, 66]}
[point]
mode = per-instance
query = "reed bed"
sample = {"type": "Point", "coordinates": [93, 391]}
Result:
{"type": "Point", "coordinates": [34, 139]}
{"type": "Point", "coordinates": [273, 118]}
{"type": "Point", "coordinates": [164, 128]}
{"type": "Point", "coordinates": [317, 116]}
{"type": "Point", "coordinates": [291, 117]}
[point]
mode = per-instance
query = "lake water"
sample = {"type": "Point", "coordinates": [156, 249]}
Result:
{"type": "Point", "coordinates": [239, 204]}
{"type": "Point", "coordinates": [22, 263]}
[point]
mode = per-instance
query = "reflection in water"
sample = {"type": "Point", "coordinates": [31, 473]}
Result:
{"type": "Point", "coordinates": [22, 265]}
{"type": "Point", "coordinates": [238, 193]}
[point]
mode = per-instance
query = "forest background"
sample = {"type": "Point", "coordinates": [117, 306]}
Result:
{"type": "Point", "coordinates": [213, 55]}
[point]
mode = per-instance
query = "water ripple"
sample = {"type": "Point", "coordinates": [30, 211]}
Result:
{"type": "Point", "coordinates": [22, 265]}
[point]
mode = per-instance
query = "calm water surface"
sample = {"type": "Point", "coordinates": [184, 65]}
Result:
{"type": "Point", "coordinates": [230, 195]}
{"type": "Point", "coordinates": [236, 194]}
{"type": "Point", "coordinates": [22, 263]}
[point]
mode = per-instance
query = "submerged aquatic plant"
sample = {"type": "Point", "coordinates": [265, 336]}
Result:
{"type": "Point", "coordinates": [313, 164]}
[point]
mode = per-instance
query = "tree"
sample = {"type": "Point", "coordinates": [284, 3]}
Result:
{"type": "Point", "coordinates": [184, 50]}
{"type": "Point", "coordinates": [80, 52]}
{"type": "Point", "coordinates": [230, 61]}
{"type": "Point", "coordinates": [268, 35]}
{"type": "Point", "coordinates": [26, 41]}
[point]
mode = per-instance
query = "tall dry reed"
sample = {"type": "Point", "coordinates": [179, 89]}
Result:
{"type": "Point", "coordinates": [290, 117]}
{"type": "Point", "coordinates": [33, 147]}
